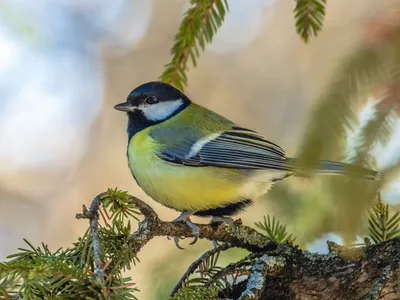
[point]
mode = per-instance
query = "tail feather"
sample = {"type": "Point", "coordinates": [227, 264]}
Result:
{"type": "Point", "coordinates": [326, 167]}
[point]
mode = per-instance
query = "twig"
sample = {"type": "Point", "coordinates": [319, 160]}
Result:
{"type": "Point", "coordinates": [94, 223]}
{"type": "Point", "coordinates": [228, 270]}
{"type": "Point", "coordinates": [244, 237]}
{"type": "Point", "coordinates": [93, 215]}
{"type": "Point", "coordinates": [233, 267]}
{"type": "Point", "coordinates": [196, 264]}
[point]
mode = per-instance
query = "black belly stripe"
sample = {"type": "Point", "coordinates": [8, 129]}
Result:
{"type": "Point", "coordinates": [228, 210]}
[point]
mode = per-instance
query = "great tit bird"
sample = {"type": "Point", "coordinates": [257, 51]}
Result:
{"type": "Point", "coordinates": [195, 161]}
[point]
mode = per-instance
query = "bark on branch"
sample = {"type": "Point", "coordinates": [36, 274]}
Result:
{"type": "Point", "coordinates": [370, 272]}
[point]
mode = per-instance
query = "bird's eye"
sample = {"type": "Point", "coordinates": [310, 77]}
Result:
{"type": "Point", "coordinates": [151, 100]}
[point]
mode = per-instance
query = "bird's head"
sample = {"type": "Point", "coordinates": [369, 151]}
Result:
{"type": "Point", "coordinates": [152, 103]}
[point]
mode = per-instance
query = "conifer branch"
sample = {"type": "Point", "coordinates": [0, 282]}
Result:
{"type": "Point", "coordinates": [309, 16]}
{"type": "Point", "coordinates": [275, 230]}
{"type": "Point", "coordinates": [196, 264]}
{"type": "Point", "coordinates": [381, 226]}
{"type": "Point", "coordinates": [197, 28]}
{"type": "Point", "coordinates": [232, 268]}
{"type": "Point", "coordinates": [152, 226]}
{"type": "Point", "coordinates": [79, 272]}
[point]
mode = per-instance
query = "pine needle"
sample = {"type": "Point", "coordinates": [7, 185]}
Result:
{"type": "Point", "coordinates": [309, 16]}
{"type": "Point", "coordinates": [198, 28]}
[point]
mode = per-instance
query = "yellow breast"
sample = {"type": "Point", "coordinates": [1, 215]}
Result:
{"type": "Point", "coordinates": [182, 187]}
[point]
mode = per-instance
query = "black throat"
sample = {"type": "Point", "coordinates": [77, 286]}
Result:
{"type": "Point", "coordinates": [137, 121]}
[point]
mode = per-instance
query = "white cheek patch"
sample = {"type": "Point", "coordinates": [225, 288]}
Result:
{"type": "Point", "coordinates": [160, 111]}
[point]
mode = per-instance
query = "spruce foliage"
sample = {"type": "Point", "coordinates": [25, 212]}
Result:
{"type": "Point", "coordinates": [198, 27]}
{"type": "Point", "coordinates": [309, 16]}
{"type": "Point", "coordinates": [383, 226]}
{"type": "Point", "coordinates": [39, 273]}
{"type": "Point", "coordinates": [275, 230]}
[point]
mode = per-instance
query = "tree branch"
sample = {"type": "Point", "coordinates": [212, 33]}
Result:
{"type": "Point", "coordinates": [93, 215]}
{"type": "Point", "coordinates": [370, 272]}
{"type": "Point", "coordinates": [244, 237]}
{"type": "Point", "coordinates": [274, 271]}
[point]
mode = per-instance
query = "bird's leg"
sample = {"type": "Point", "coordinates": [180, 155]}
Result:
{"type": "Point", "coordinates": [221, 220]}
{"type": "Point", "coordinates": [185, 218]}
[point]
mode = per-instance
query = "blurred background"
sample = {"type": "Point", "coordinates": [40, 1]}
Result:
{"type": "Point", "coordinates": [64, 65]}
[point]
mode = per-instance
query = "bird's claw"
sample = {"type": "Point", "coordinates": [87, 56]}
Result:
{"type": "Point", "coordinates": [195, 237]}
{"type": "Point", "coordinates": [195, 231]}
{"type": "Point", "coordinates": [184, 217]}
{"type": "Point", "coordinates": [176, 240]}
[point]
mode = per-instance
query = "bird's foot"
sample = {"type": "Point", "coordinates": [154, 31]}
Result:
{"type": "Point", "coordinates": [185, 218]}
{"type": "Point", "coordinates": [220, 220]}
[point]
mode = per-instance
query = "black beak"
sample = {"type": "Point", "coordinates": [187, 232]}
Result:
{"type": "Point", "coordinates": [125, 106]}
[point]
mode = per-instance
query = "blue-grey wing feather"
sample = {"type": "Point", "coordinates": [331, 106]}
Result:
{"type": "Point", "coordinates": [238, 148]}
{"type": "Point", "coordinates": [175, 142]}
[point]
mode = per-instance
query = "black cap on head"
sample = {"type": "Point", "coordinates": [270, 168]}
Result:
{"type": "Point", "coordinates": [163, 91]}
{"type": "Point", "coordinates": [158, 90]}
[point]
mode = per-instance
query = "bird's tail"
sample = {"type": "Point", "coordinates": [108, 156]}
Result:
{"type": "Point", "coordinates": [326, 167]}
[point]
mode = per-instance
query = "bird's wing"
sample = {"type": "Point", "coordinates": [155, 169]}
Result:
{"type": "Point", "coordinates": [237, 148]}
